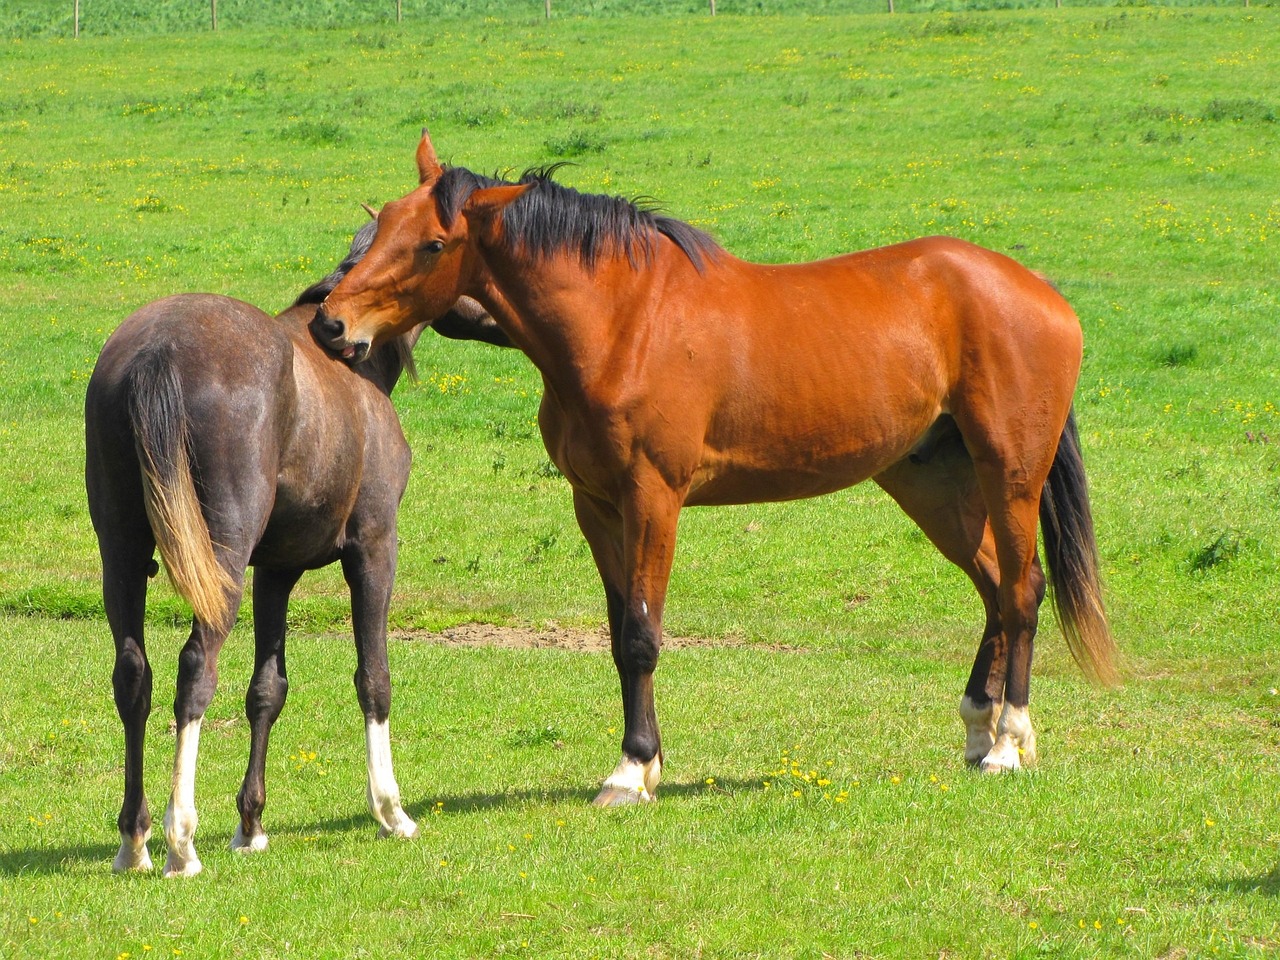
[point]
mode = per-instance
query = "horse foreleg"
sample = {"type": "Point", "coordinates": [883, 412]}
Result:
{"type": "Point", "coordinates": [369, 573]}
{"type": "Point", "coordinates": [634, 550]}
{"type": "Point", "coordinates": [264, 699]}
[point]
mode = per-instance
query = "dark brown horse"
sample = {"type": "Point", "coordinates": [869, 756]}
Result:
{"type": "Point", "coordinates": [226, 437]}
{"type": "Point", "coordinates": [676, 374]}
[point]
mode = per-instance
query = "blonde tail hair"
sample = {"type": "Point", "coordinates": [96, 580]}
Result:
{"type": "Point", "coordinates": [158, 415]}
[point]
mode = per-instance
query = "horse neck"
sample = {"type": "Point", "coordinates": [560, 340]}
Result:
{"type": "Point", "coordinates": [384, 368]}
{"type": "Point", "coordinates": [567, 319]}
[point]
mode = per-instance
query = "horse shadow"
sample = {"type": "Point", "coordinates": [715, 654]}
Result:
{"type": "Point", "coordinates": [54, 860]}
{"type": "Point", "coordinates": [50, 861]}
{"type": "Point", "coordinates": [464, 804]}
{"type": "Point", "coordinates": [1267, 884]}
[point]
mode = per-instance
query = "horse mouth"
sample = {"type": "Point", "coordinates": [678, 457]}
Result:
{"type": "Point", "coordinates": [331, 334]}
{"type": "Point", "coordinates": [355, 353]}
{"type": "Point", "coordinates": [351, 351]}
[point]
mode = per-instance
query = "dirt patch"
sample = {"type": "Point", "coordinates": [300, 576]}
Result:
{"type": "Point", "coordinates": [559, 638]}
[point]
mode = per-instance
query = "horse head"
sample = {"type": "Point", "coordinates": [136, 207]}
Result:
{"type": "Point", "coordinates": [423, 259]}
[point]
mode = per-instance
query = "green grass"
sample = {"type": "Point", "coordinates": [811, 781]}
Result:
{"type": "Point", "coordinates": [1128, 153]}
{"type": "Point", "coordinates": [55, 18]}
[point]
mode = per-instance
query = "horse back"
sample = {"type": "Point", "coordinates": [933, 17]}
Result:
{"type": "Point", "coordinates": [793, 380]}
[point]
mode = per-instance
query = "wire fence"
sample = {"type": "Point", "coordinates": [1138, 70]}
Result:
{"type": "Point", "coordinates": [75, 18]}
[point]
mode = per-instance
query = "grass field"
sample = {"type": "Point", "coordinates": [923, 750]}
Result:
{"type": "Point", "coordinates": [1129, 153]}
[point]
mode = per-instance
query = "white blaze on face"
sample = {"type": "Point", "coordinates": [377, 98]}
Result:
{"type": "Point", "coordinates": [384, 792]}
{"type": "Point", "coordinates": [180, 818]}
{"type": "Point", "coordinates": [1015, 744]}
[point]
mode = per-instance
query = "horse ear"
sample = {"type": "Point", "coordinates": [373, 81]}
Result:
{"type": "Point", "coordinates": [428, 166]}
{"type": "Point", "coordinates": [490, 200]}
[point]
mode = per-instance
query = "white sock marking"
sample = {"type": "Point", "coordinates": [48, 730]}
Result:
{"type": "Point", "coordinates": [633, 778]}
{"type": "Point", "coordinates": [1015, 744]}
{"type": "Point", "coordinates": [132, 856]}
{"type": "Point", "coordinates": [384, 792]}
{"type": "Point", "coordinates": [980, 728]}
{"type": "Point", "coordinates": [180, 819]}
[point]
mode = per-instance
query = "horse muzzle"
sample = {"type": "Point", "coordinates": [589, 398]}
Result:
{"type": "Point", "coordinates": [332, 334]}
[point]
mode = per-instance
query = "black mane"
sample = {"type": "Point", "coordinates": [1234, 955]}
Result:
{"type": "Point", "coordinates": [550, 218]}
{"type": "Point", "coordinates": [360, 245]}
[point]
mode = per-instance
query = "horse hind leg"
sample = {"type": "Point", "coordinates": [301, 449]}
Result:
{"type": "Point", "coordinates": [197, 682]}
{"type": "Point", "coordinates": [938, 489]}
{"type": "Point", "coordinates": [264, 699]}
{"type": "Point", "coordinates": [124, 594]}
{"type": "Point", "coordinates": [1015, 743]}
{"type": "Point", "coordinates": [127, 549]}
{"type": "Point", "coordinates": [1012, 495]}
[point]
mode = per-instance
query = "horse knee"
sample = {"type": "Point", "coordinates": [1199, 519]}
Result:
{"type": "Point", "coordinates": [1039, 584]}
{"type": "Point", "coordinates": [131, 682]}
{"type": "Point", "coordinates": [197, 681]}
{"type": "Point", "coordinates": [266, 695]}
{"type": "Point", "coordinates": [636, 650]}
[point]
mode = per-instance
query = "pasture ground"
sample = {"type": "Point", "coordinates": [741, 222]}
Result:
{"type": "Point", "coordinates": [1131, 154]}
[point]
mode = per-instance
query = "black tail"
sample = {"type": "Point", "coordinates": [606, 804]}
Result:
{"type": "Point", "coordinates": [1072, 556]}
{"type": "Point", "coordinates": [158, 415]}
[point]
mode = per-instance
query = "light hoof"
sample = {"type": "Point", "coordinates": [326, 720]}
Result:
{"type": "Point", "coordinates": [242, 844]}
{"type": "Point", "coordinates": [975, 754]}
{"type": "Point", "coordinates": [992, 764]}
{"type": "Point", "coordinates": [611, 796]}
{"type": "Point", "coordinates": [133, 856]}
{"type": "Point", "coordinates": [1008, 758]}
{"type": "Point", "coordinates": [632, 781]}
{"type": "Point", "coordinates": [182, 867]}
{"type": "Point", "coordinates": [980, 729]}
{"type": "Point", "coordinates": [404, 829]}
{"type": "Point", "coordinates": [1016, 744]}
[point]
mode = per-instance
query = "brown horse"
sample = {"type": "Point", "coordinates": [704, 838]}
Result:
{"type": "Point", "coordinates": [228, 438]}
{"type": "Point", "coordinates": [676, 374]}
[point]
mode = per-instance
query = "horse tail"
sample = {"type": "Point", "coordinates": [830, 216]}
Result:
{"type": "Point", "coordinates": [157, 412]}
{"type": "Point", "coordinates": [1072, 555]}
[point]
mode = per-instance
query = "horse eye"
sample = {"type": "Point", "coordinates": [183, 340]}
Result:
{"type": "Point", "coordinates": [434, 246]}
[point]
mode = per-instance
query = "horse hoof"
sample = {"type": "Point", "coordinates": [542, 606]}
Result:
{"type": "Point", "coordinates": [1001, 760]}
{"type": "Point", "coordinates": [175, 867]}
{"type": "Point", "coordinates": [405, 830]}
{"type": "Point", "coordinates": [132, 859]}
{"type": "Point", "coordinates": [254, 844]}
{"type": "Point", "coordinates": [622, 796]}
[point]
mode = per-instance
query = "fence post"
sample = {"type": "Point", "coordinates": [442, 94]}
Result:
{"type": "Point", "coordinates": [398, 11]}
{"type": "Point", "coordinates": [547, 4]}
{"type": "Point", "coordinates": [891, 6]}
{"type": "Point", "coordinates": [713, 7]}
{"type": "Point", "coordinates": [77, 21]}
{"type": "Point", "coordinates": [213, 13]}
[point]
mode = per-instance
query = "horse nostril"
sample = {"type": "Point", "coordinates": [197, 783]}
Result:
{"type": "Point", "coordinates": [326, 327]}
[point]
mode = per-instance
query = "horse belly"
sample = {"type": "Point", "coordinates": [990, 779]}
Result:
{"type": "Point", "coordinates": [298, 539]}
{"type": "Point", "coordinates": [720, 482]}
